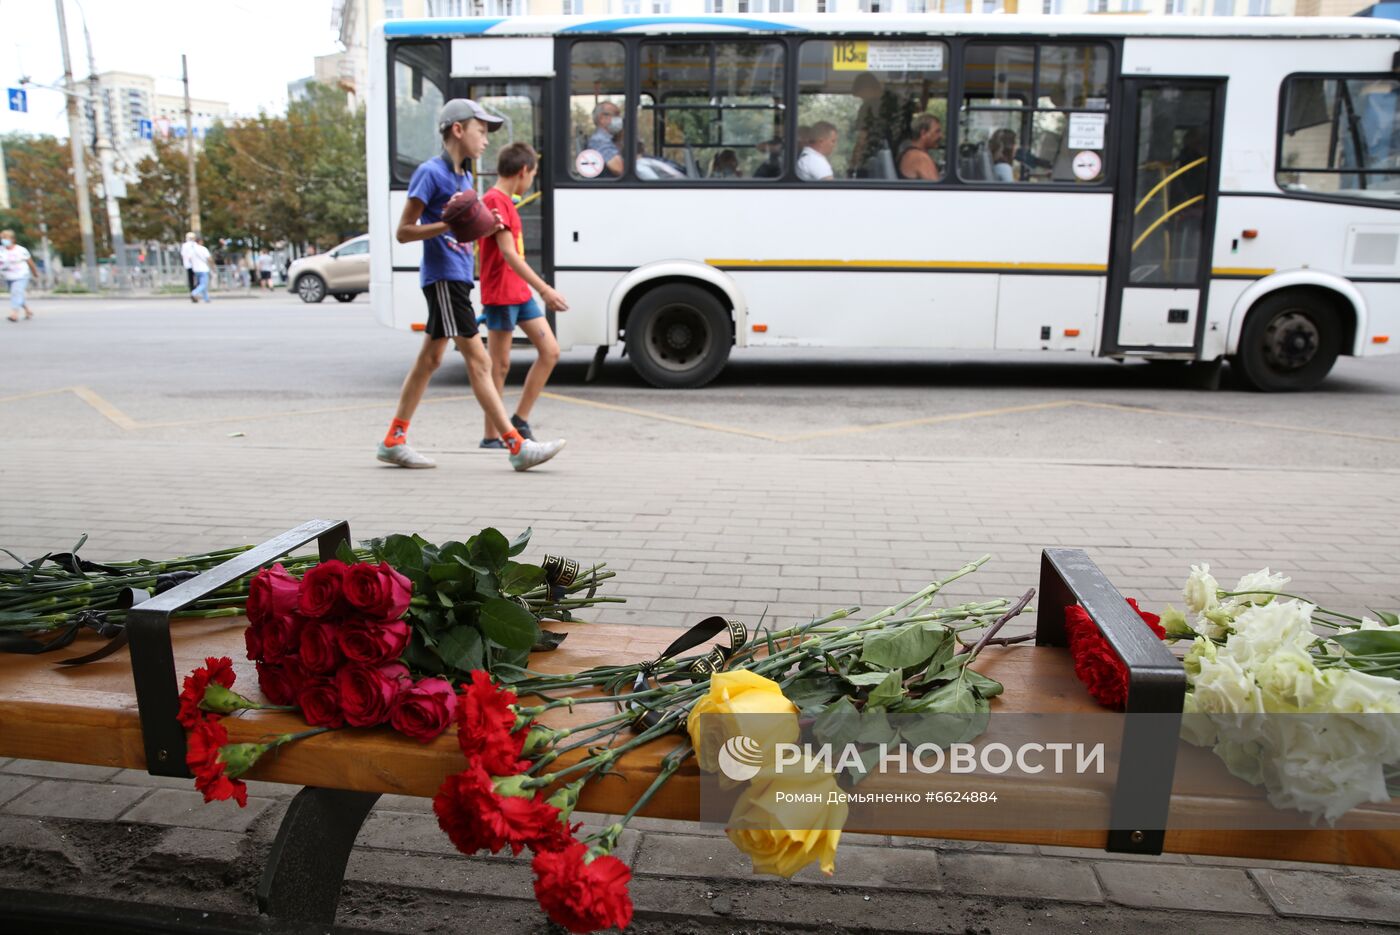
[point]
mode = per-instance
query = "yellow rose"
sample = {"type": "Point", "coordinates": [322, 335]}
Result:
{"type": "Point", "coordinates": [786, 822]}
{"type": "Point", "coordinates": [741, 703]}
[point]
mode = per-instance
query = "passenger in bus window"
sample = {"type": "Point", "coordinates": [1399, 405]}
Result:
{"type": "Point", "coordinates": [877, 123]}
{"type": "Point", "coordinates": [1002, 148]}
{"type": "Point", "coordinates": [725, 165]}
{"type": "Point", "coordinates": [916, 155]}
{"type": "Point", "coordinates": [814, 164]}
{"type": "Point", "coordinates": [772, 167]}
{"type": "Point", "coordinates": [607, 117]}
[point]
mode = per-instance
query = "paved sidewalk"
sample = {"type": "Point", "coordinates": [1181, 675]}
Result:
{"type": "Point", "coordinates": [693, 535]}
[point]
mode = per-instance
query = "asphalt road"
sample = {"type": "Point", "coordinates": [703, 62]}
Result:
{"type": "Point", "coordinates": [272, 371]}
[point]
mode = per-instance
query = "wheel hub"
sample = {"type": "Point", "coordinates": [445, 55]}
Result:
{"type": "Point", "coordinates": [679, 336]}
{"type": "Point", "coordinates": [1291, 341]}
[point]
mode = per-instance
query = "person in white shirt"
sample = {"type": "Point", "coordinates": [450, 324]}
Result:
{"type": "Point", "coordinates": [814, 164]}
{"type": "Point", "coordinates": [18, 265]}
{"type": "Point", "coordinates": [265, 270]}
{"type": "Point", "coordinates": [200, 264]}
{"type": "Point", "coordinates": [185, 250]}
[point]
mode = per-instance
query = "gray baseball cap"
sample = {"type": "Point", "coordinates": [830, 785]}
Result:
{"type": "Point", "coordinates": [460, 109]}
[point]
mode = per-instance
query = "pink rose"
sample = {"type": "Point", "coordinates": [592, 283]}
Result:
{"type": "Point", "coordinates": [425, 710]}
{"type": "Point", "coordinates": [377, 591]}
{"type": "Point", "coordinates": [368, 693]}
{"type": "Point", "coordinates": [272, 593]}
{"type": "Point", "coordinates": [280, 681]}
{"type": "Point", "coordinates": [374, 643]}
{"type": "Point", "coordinates": [319, 651]}
{"type": "Point", "coordinates": [322, 589]}
{"type": "Point", "coordinates": [320, 703]}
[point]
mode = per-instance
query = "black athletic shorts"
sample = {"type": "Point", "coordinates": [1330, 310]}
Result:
{"type": "Point", "coordinates": [450, 313]}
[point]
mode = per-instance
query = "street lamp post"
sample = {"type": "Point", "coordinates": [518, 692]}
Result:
{"type": "Point", "coordinates": [104, 159]}
{"type": "Point", "coordinates": [75, 140]}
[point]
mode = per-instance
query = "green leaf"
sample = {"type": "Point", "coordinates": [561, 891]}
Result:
{"type": "Point", "coordinates": [813, 690]}
{"type": "Point", "coordinates": [549, 640]}
{"type": "Point", "coordinates": [986, 687]}
{"type": "Point", "coordinates": [904, 648]}
{"type": "Point", "coordinates": [403, 553]}
{"type": "Point", "coordinates": [461, 649]}
{"type": "Point", "coordinates": [841, 724]}
{"type": "Point", "coordinates": [887, 692]}
{"type": "Point", "coordinates": [449, 571]}
{"type": "Point", "coordinates": [867, 679]}
{"type": "Point", "coordinates": [420, 657]}
{"type": "Point", "coordinates": [487, 585]}
{"type": "Point", "coordinates": [509, 624]}
{"type": "Point", "coordinates": [346, 553]}
{"type": "Point", "coordinates": [518, 544]}
{"type": "Point", "coordinates": [490, 549]}
{"type": "Point", "coordinates": [1389, 619]}
{"type": "Point", "coordinates": [1369, 642]}
{"type": "Point", "coordinates": [518, 578]}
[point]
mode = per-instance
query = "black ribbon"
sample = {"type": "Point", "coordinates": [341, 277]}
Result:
{"type": "Point", "coordinates": [92, 619]}
{"type": "Point", "coordinates": [559, 574]}
{"type": "Point", "coordinates": [78, 566]}
{"type": "Point", "coordinates": [710, 663]}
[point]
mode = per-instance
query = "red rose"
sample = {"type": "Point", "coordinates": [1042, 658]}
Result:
{"type": "Point", "coordinates": [218, 671]}
{"type": "Point", "coordinates": [583, 895]}
{"type": "Point", "coordinates": [320, 703]}
{"type": "Point", "coordinates": [281, 637]}
{"type": "Point", "coordinates": [272, 593]}
{"type": "Point", "coordinates": [374, 643]}
{"type": "Point", "coordinates": [280, 681]}
{"type": "Point", "coordinates": [253, 639]}
{"type": "Point", "coordinates": [377, 591]}
{"type": "Point", "coordinates": [322, 588]}
{"type": "Point", "coordinates": [475, 816]}
{"type": "Point", "coordinates": [425, 710]}
{"type": "Point", "coordinates": [202, 757]}
{"type": "Point", "coordinates": [486, 727]}
{"type": "Point", "coordinates": [1095, 662]}
{"type": "Point", "coordinates": [368, 693]}
{"type": "Point", "coordinates": [319, 648]}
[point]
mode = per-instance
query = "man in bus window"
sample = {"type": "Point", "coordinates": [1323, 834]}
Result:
{"type": "Point", "coordinates": [772, 166]}
{"type": "Point", "coordinates": [814, 165]}
{"type": "Point", "coordinates": [606, 139]}
{"type": "Point", "coordinates": [446, 275]}
{"type": "Point", "coordinates": [916, 155]}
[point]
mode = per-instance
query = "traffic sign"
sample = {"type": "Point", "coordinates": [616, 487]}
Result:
{"type": "Point", "coordinates": [19, 100]}
{"type": "Point", "coordinates": [147, 129]}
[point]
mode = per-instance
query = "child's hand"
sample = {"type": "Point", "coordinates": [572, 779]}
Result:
{"type": "Point", "coordinates": [553, 301]}
{"type": "Point", "coordinates": [500, 225]}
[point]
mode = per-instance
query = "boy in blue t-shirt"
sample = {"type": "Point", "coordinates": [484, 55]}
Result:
{"type": "Point", "coordinates": [446, 278]}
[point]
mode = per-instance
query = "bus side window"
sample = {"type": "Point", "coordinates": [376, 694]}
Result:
{"type": "Point", "coordinates": [418, 96]}
{"type": "Point", "coordinates": [888, 102]}
{"type": "Point", "coordinates": [598, 110]}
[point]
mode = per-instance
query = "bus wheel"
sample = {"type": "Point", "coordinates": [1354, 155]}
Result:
{"type": "Point", "coordinates": [1290, 342]}
{"type": "Point", "coordinates": [678, 336]}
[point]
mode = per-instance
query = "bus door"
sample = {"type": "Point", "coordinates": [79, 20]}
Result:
{"type": "Point", "coordinates": [1163, 216]}
{"type": "Point", "coordinates": [521, 101]}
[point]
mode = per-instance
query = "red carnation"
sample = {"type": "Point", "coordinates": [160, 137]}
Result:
{"type": "Point", "coordinates": [368, 693]}
{"type": "Point", "coordinates": [583, 895]}
{"type": "Point", "coordinates": [374, 643]}
{"type": "Point", "coordinates": [1095, 662]}
{"type": "Point", "coordinates": [485, 725]}
{"type": "Point", "coordinates": [322, 588]}
{"type": "Point", "coordinates": [319, 701]}
{"type": "Point", "coordinates": [280, 681]}
{"type": "Point", "coordinates": [218, 671]}
{"type": "Point", "coordinates": [425, 710]}
{"type": "Point", "coordinates": [319, 648]}
{"type": "Point", "coordinates": [377, 591]}
{"type": "Point", "coordinates": [202, 757]}
{"type": "Point", "coordinates": [272, 593]}
{"type": "Point", "coordinates": [475, 816]}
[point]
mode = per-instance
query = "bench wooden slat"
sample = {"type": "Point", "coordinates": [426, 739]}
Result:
{"type": "Point", "coordinates": [89, 715]}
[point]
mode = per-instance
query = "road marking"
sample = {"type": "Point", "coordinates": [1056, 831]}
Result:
{"type": "Point", "coordinates": [929, 420]}
{"type": "Point", "coordinates": [662, 417]}
{"type": "Point", "coordinates": [1232, 420]}
{"type": "Point", "coordinates": [114, 415]}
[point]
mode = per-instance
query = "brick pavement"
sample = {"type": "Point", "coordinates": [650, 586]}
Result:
{"type": "Point", "coordinates": [693, 535]}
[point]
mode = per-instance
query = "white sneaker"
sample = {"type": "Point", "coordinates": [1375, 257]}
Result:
{"type": "Point", "coordinates": [403, 456]}
{"type": "Point", "coordinates": [533, 453]}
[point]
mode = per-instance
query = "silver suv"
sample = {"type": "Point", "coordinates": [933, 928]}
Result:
{"type": "Point", "coordinates": [342, 272]}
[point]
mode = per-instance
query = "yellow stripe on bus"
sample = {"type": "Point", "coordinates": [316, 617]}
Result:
{"type": "Point", "coordinates": [1254, 272]}
{"type": "Point", "coordinates": [908, 264]}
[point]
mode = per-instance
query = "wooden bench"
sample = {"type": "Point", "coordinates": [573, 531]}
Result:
{"type": "Point", "coordinates": [120, 711]}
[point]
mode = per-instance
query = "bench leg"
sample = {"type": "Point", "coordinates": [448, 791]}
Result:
{"type": "Point", "coordinates": [307, 864]}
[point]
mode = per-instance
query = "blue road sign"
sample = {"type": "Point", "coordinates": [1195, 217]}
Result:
{"type": "Point", "coordinates": [19, 100]}
{"type": "Point", "coordinates": [147, 130]}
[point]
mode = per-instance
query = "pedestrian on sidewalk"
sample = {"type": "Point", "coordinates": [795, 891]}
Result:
{"type": "Point", "coordinates": [18, 266]}
{"type": "Point", "coordinates": [199, 263]}
{"type": "Point", "coordinates": [186, 252]}
{"type": "Point", "coordinates": [265, 270]}
{"type": "Point", "coordinates": [446, 278]}
{"type": "Point", "coordinates": [506, 280]}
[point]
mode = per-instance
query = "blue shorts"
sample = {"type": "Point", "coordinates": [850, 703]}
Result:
{"type": "Point", "coordinates": [506, 317]}
{"type": "Point", "coordinates": [17, 287]}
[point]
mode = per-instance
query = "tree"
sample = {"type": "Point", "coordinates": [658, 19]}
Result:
{"type": "Point", "coordinates": [40, 173]}
{"type": "Point", "coordinates": [157, 204]}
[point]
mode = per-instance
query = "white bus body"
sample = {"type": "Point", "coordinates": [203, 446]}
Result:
{"type": "Point", "coordinates": [1230, 254]}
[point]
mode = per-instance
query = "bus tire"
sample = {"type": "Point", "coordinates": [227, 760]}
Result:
{"type": "Point", "coordinates": [311, 288]}
{"type": "Point", "coordinates": [1290, 342]}
{"type": "Point", "coordinates": [678, 336]}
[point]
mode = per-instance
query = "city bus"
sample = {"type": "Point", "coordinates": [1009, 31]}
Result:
{"type": "Point", "coordinates": [1166, 188]}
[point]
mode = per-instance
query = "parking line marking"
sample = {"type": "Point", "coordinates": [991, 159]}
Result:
{"type": "Point", "coordinates": [662, 417]}
{"type": "Point", "coordinates": [35, 394]}
{"type": "Point", "coordinates": [929, 420]}
{"type": "Point", "coordinates": [114, 415]}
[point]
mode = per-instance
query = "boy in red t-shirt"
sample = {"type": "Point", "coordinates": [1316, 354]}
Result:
{"type": "Point", "coordinates": [506, 280]}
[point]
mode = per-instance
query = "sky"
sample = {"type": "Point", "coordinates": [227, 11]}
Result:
{"type": "Point", "coordinates": [240, 51]}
